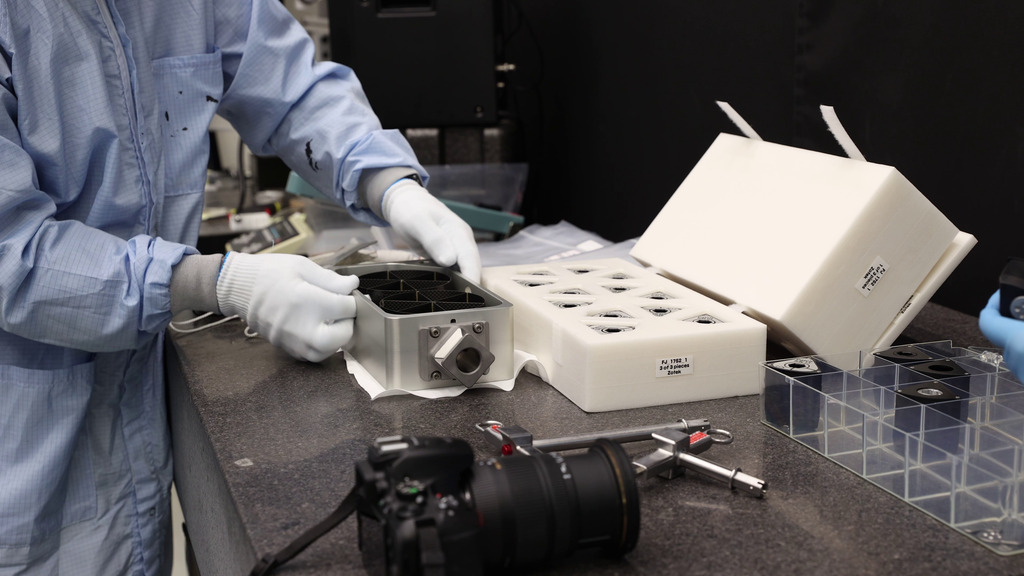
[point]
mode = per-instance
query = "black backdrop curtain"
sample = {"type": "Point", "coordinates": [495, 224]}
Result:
{"type": "Point", "coordinates": [615, 99]}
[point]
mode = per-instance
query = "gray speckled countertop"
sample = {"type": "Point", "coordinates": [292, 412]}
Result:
{"type": "Point", "coordinates": [301, 426]}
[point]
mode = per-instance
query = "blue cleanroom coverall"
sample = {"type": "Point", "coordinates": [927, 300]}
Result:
{"type": "Point", "coordinates": [103, 153]}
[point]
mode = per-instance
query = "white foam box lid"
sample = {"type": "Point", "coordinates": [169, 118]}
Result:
{"type": "Point", "coordinates": [612, 335]}
{"type": "Point", "coordinates": [833, 254]}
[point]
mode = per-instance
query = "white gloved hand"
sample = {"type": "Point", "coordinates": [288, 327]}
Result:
{"type": "Point", "coordinates": [416, 214]}
{"type": "Point", "coordinates": [293, 303]}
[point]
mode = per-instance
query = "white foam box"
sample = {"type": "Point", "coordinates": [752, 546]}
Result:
{"type": "Point", "coordinates": [833, 254]}
{"type": "Point", "coordinates": [612, 335]}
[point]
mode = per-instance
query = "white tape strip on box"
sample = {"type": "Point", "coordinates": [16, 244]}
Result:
{"type": "Point", "coordinates": [612, 335]}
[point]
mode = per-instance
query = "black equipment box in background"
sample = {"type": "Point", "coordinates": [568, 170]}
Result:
{"type": "Point", "coordinates": [422, 63]}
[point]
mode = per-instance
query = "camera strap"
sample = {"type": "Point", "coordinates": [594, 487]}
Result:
{"type": "Point", "coordinates": [270, 561]}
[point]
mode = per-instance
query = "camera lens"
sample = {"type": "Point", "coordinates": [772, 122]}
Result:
{"type": "Point", "coordinates": [538, 509]}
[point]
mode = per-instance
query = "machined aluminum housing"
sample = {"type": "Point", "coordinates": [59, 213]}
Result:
{"type": "Point", "coordinates": [420, 326]}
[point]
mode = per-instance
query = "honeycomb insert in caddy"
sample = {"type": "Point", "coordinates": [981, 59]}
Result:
{"type": "Point", "coordinates": [613, 335]}
{"type": "Point", "coordinates": [420, 326]}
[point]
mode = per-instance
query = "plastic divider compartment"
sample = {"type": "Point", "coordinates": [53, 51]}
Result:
{"type": "Point", "coordinates": [854, 411]}
{"type": "Point", "coordinates": [982, 493]}
{"type": "Point", "coordinates": [988, 496]}
{"type": "Point", "coordinates": [959, 459]}
{"type": "Point", "coordinates": [791, 399]}
{"type": "Point", "coordinates": [1000, 414]}
{"type": "Point", "coordinates": [883, 464]}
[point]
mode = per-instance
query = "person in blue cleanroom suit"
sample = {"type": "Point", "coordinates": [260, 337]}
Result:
{"type": "Point", "coordinates": [1007, 333]}
{"type": "Point", "coordinates": [103, 154]}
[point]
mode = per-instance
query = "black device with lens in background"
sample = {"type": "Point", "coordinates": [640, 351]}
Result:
{"type": "Point", "coordinates": [1011, 289]}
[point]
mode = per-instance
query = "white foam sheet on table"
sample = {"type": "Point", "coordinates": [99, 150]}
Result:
{"type": "Point", "coordinates": [374, 388]}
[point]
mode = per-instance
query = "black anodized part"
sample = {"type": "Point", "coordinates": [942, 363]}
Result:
{"type": "Point", "coordinates": [904, 354]}
{"type": "Point", "coordinates": [928, 392]}
{"type": "Point", "coordinates": [939, 369]}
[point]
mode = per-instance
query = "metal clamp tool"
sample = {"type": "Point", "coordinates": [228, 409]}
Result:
{"type": "Point", "coordinates": [677, 447]}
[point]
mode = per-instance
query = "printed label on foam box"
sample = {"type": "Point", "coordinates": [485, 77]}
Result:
{"type": "Point", "coordinates": [866, 283]}
{"type": "Point", "coordinates": [677, 366]}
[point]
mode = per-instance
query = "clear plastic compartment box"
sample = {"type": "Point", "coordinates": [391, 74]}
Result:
{"type": "Point", "coordinates": [938, 426]}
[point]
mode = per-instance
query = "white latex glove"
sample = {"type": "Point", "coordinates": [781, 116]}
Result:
{"type": "Point", "coordinates": [293, 303]}
{"type": "Point", "coordinates": [416, 214]}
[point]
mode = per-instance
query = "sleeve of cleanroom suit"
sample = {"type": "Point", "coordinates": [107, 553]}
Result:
{"type": "Point", "coordinates": [61, 281]}
{"type": "Point", "coordinates": [313, 115]}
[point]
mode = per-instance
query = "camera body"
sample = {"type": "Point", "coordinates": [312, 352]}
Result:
{"type": "Point", "coordinates": [414, 516]}
{"type": "Point", "coordinates": [425, 507]}
{"type": "Point", "coordinates": [1011, 289]}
